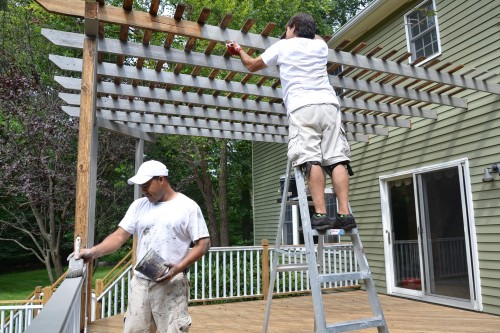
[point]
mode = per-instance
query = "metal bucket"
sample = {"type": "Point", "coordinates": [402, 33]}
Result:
{"type": "Point", "coordinates": [152, 265]}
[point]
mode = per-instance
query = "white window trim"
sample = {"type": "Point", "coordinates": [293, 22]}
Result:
{"type": "Point", "coordinates": [408, 37]}
{"type": "Point", "coordinates": [383, 181]}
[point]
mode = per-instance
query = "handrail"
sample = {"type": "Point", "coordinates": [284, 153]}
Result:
{"type": "Point", "coordinates": [53, 286]}
{"type": "Point", "coordinates": [22, 301]}
{"type": "Point", "coordinates": [62, 312]}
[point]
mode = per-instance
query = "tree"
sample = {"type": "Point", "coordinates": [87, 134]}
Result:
{"type": "Point", "coordinates": [221, 168]}
{"type": "Point", "coordinates": [38, 142]}
{"type": "Point", "coordinates": [38, 146]}
{"type": "Point", "coordinates": [217, 174]}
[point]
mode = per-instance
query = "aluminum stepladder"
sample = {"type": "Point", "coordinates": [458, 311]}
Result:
{"type": "Point", "coordinates": [315, 278]}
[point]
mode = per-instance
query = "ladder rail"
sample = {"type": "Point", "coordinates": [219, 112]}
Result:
{"type": "Point", "coordinates": [277, 243]}
{"type": "Point", "coordinates": [369, 284]}
{"type": "Point", "coordinates": [315, 267]}
{"type": "Point", "coordinates": [319, 310]}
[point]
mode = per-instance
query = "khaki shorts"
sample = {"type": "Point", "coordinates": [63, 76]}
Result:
{"type": "Point", "coordinates": [162, 306]}
{"type": "Point", "coordinates": [316, 135]}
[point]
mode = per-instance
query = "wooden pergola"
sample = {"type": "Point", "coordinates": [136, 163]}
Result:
{"type": "Point", "coordinates": [219, 98]}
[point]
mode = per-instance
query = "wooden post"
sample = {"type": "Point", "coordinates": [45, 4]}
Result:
{"type": "Point", "coordinates": [37, 296]}
{"type": "Point", "coordinates": [265, 268]}
{"type": "Point", "coordinates": [47, 294]}
{"type": "Point", "coordinates": [87, 151]}
{"type": "Point", "coordinates": [99, 286]}
{"type": "Point", "coordinates": [139, 158]}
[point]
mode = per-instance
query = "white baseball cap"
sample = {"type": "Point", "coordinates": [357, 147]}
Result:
{"type": "Point", "coordinates": [147, 171]}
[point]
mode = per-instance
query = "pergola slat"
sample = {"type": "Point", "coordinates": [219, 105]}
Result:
{"type": "Point", "coordinates": [148, 118]}
{"type": "Point", "coordinates": [111, 125]}
{"type": "Point", "coordinates": [199, 82]}
{"type": "Point", "coordinates": [180, 130]}
{"type": "Point", "coordinates": [224, 102]}
{"type": "Point", "coordinates": [170, 114]}
{"type": "Point", "coordinates": [180, 110]}
{"type": "Point", "coordinates": [392, 67]}
{"type": "Point", "coordinates": [177, 96]}
{"type": "Point", "coordinates": [200, 59]}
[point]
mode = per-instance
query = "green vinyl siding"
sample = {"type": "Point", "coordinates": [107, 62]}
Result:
{"type": "Point", "coordinates": [469, 37]}
{"type": "Point", "coordinates": [269, 164]}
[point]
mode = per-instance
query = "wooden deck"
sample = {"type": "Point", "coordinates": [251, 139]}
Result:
{"type": "Point", "coordinates": [295, 314]}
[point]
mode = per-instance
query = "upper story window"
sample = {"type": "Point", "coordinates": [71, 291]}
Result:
{"type": "Point", "coordinates": [422, 31]}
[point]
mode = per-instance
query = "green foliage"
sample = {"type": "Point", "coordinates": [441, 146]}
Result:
{"type": "Point", "coordinates": [38, 142]}
{"type": "Point", "coordinates": [174, 151]}
{"type": "Point", "coordinates": [329, 15]}
{"type": "Point", "coordinates": [118, 255]}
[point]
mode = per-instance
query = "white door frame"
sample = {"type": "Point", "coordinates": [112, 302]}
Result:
{"type": "Point", "coordinates": [476, 299]}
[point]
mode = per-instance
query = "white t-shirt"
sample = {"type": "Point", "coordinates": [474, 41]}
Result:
{"type": "Point", "coordinates": [302, 65]}
{"type": "Point", "coordinates": [168, 227]}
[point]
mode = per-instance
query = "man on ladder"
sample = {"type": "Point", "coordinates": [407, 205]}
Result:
{"type": "Point", "coordinates": [317, 143]}
{"type": "Point", "coordinates": [317, 140]}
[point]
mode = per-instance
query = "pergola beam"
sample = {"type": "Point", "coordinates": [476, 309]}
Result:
{"type": "Point", "coordinates": [142, 20]}
{"type": "Point", "coordinates": [111, 125]}
{"type": "Point", "coordinates": [199, 82]}
{"type": "Point", "coordinates": [158, 53]}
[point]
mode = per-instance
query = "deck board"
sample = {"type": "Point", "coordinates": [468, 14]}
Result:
{"type": "Point", "coordinates": [295, 314]}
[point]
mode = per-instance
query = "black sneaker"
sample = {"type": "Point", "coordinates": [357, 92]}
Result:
{"type": "Point", "coordinates": [344, 221]}
{"type": "Point", "coordinates": [321, 222]}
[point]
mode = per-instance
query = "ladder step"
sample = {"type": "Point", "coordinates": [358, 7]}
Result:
{"type": "Point", "coordinates": [355, 325]}
{"type": "Point", "coordinates": [343, 276]}
{"type": "Point", "coordinates": [292, 267]}
{"type": "Point", "coordinates": [304, 204]}
{"type": "Point", "coordinates": [329, 232]}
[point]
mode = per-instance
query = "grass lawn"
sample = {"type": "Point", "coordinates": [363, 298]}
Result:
{"type": "Point", "coordinates": [17, 286]}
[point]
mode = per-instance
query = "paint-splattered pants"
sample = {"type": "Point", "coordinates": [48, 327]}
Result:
{"type": "Point", "coordinates": [163, 306]}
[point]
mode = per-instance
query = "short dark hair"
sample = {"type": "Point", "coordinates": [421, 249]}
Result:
{"type": "Point", "coordinates": [304, 25]}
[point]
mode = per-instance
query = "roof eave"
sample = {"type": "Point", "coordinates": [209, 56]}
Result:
{"type": "Point", "coordinates": [368, 18]}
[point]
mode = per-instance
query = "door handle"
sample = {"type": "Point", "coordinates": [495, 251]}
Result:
{"type": "Point", "coordinates": [388, 236]}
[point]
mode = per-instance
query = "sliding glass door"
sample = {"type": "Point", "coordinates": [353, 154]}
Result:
{"type": "Point", "coordinates": [443, 230]}
{"type": "Point", "coordinates": [428, 242]}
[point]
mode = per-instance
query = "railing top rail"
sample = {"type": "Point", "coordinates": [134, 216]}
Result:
{"type": "Point", "coordinates": [56, 312]}
{"type": "Point", "coordinates": [26, 301]}
{"type": "Point", "coordinates": [20, 307]}
{"type": "Point", "coordinates": [235, 248]}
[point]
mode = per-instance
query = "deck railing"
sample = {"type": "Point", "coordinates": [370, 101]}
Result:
{"type": "Point", "coordinates": [17, 318]}
{"type": "Point", "coordinates": [62, 311]}
{"type": "Point", "coordinates": [450, 258]}
{"type": "Point", "coordinates": [16, 315]}
{"type": "Point", "coordinates": [224, 273]}
{"type": "Point", "coordinates": [228, 273]}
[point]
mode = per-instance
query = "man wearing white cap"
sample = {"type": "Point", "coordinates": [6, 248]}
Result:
{"type": "Point", "coordinates": [166, 222]}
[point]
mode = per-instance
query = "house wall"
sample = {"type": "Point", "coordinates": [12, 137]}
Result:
{"type": "Point", "coordinates": [269, 164]}
{"type": "Point", "coordinates": [469, 36]}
